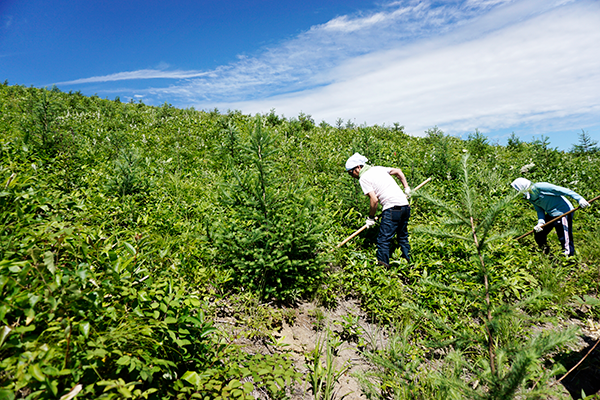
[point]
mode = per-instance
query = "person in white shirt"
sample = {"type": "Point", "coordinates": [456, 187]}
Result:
{"type": "Point", "coordinates": [379, 186]}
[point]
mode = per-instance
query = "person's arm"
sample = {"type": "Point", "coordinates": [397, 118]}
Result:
{"type": "Point", "coordinates": [373, 203]}
{"type": "Point", "coordinates": [558, 190]}
{"type": "Point", "coordinates": [541, 214]}
{"type": "Point", "coordinates": [397, 172]}
{"type": "Point", "coordinates": [562, 191]}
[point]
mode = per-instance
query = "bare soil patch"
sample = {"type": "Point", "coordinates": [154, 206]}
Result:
{"type": "Point", "coordinates": [301, 337]}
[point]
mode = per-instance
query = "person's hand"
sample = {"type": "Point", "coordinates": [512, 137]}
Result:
{"type": "Point", "coordinates": [583, 203]}
{"type": "Point", "coordinates": [538, 227]}
{"type": "Point", "coordinates": [407, 191]}
{"type": "Point", "coordinates": [370, 222]}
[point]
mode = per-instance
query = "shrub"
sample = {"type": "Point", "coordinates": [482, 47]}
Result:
{"type": "Point", "coordinates": [268, 238]}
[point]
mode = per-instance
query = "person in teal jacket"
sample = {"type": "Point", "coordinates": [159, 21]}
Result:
{"type": "Point", "coordinates": [549, 202]}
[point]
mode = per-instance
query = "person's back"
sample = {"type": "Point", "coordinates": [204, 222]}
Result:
{"type": "Point", "coordinates": [379, 180]}
{"type": "Point", "coordinates": [550, 198]}
{"type": "Point", "coordinates": [379, 185]}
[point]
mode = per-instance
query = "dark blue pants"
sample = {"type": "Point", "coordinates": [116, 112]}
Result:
{"type": "Point", "coordinates": [564, 230]}
{"type": "Point", "coordinates": [394, 221]}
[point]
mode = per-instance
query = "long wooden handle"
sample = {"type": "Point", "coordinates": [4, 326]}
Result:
{"type": "Point", "coordinates": [557, 218]}
{"type": "Point", "coordinates": [351, 236]}
{"type": "Point", "coordinates": [422, 184]}
{"type": "Point", "coordinates": [365, 227]}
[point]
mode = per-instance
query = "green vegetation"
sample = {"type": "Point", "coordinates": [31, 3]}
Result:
{"type": "Point", "coordinates": [130, 232]}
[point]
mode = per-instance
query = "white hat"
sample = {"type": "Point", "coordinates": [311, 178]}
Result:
{"type": "Point", "coordinates": [355, 161]}
{"type": "Point", "coordinates": [521, 184]}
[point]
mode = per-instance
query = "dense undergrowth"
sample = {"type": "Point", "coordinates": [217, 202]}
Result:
{"type": "Point", "coordinates": [126, 229]}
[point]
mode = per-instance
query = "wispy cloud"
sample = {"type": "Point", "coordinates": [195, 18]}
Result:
{"type": "Point", "coordinates": [139, 74]}
{"type": "Point", "coordinates": [458, 64]}
{"type": "Point", "coordinates": [305, 61]}
{"type": "Point", "coordinates": [313, 58]}
{"type": "Point", "coordinates": [524, 63]}
{"type": "Point", "coordinates": [6, 21]}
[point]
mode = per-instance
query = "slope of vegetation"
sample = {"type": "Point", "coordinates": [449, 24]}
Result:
{"type": "Point", "coordinates": [127, 229]}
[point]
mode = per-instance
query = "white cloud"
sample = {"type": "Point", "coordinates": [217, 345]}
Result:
{"type": "Point", "coordinates": [346, 24]}
{"type": "Point", "coordinates": [461, 65]}
{"type": "Point", "coordinates": [139, 74]}
{"type": "Point", "coordinates": [541, 68]}
{"type": "Point", "coordinates": [7, 21]}
{"type": "Point", "coordinates": [305, 62]}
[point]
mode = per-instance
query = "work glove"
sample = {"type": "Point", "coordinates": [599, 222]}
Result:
{"type": "Point", "coordinates": [583, 203]}
{"type": "Point", "coordinates": [407, 191]}
{"type": "Point", "coordinates": [370, 222]}
{"type": "Point", "coordinates": [538, 227]}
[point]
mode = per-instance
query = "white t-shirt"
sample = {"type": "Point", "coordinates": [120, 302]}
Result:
{"type": "Point", "coordinates": [379, 180]}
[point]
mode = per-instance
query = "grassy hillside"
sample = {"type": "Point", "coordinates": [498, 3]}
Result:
{"type": "Point", "coordinates": [127, 229]}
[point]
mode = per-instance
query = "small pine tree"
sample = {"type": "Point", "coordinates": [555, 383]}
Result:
{"type": "Point", "coordinates": [478, 144]}
{"type": "Point", "coordinates": [42, 128]}
{"type": "Point", "coordinates": [231, 146]}
{"type": "Point", "coordinates": [586, 144]}
{"type": "Point", "coordinates": [128, 175]}
{"type": "Point", "coordinates": [514, 142]}
{"type": "Point", "coordinates": [440, 162]}
{"type": "Point", "coordinates": [268, 239]}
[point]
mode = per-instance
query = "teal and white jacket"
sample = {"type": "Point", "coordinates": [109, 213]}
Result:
{"type": "Point", "coordinates": [550, 199]}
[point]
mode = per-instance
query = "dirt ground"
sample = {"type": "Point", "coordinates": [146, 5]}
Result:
{"type": "Point", "coordinates": [302, 336]}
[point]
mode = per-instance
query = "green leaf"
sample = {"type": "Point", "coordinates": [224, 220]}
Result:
{"type": "Point", "coordinates": [14, 268]}
{"type": "Point", "coordinates": [194, 378]}
{"type": "Point", "coordinates": [130, 248]}
{"type": "Point", "coordinates": [125, 392]}
{"type": "Point", "coordinates": [4, 334]}
{"type": "Point", "coordinates": [53, 385]}
{"type": "Point", "coordinates": [100, 353]}
{"type": "Point", "coordinates": [49, 262]}
{"type": "Point", "coordinates": [84, 328]}
{"type": "Point", "coordinates": [36, 372]}
{"type": "Point", "coordinates": [33, 299]}
{"type": "Point", "coordinates": [248, 387]}
{"type": "Point", "coordinates": [124, 360]}
{"type": "Point", "coordinates": [142, 296]}
{"type": "Point", "coordinates": [182, 343]}
{"type": "Point", "coordinates": [194, 302]}
{"type": "Point", "coordinates": [30, 314]}
{"type": "Point", "coordinates": [24, 328]}
{"type": "Point", "coordinates": [263, 371]}
{"type": "Point", "coordinates": [234, 384]}
{"type": "Point", "coordinates": [6, 394]}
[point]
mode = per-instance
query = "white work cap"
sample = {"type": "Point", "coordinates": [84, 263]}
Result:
{"type": "Point", "coordinates": [521, 184]}
{"type": "Point", "coordinates": [355, 161]}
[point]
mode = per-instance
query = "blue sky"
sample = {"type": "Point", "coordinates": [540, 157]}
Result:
{"type": "Point", "coordinates": [531, 67]}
